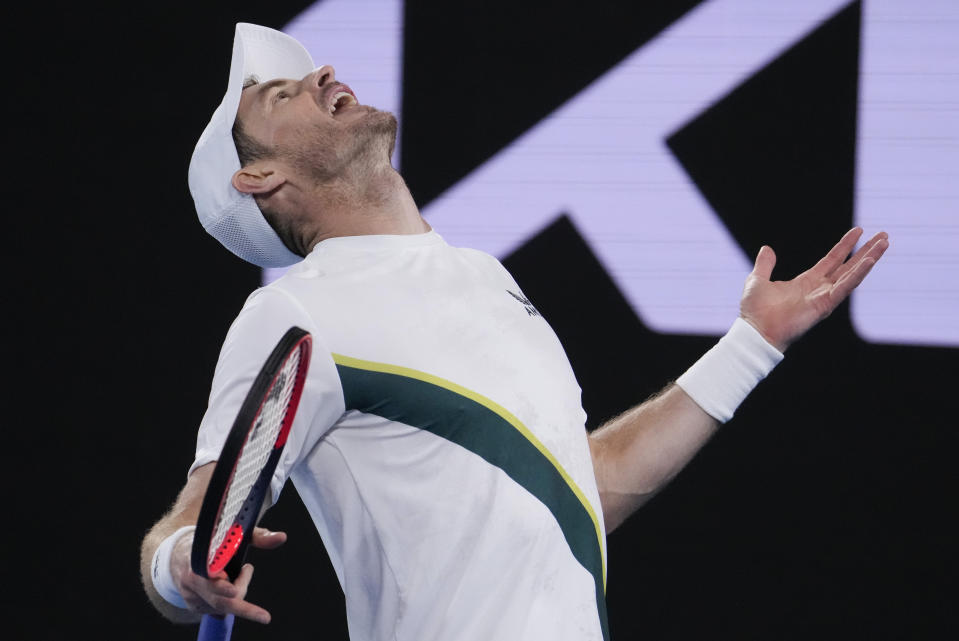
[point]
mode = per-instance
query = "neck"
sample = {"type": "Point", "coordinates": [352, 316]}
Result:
{"type": "Point", "coordinates": [375, 202]}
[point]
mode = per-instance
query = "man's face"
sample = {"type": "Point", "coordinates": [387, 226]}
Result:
{"type": "Point", "coordinates": [315, 123]}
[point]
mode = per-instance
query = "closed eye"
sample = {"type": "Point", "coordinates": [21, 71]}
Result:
{"type": "Point", "coordinates": [280, 95]}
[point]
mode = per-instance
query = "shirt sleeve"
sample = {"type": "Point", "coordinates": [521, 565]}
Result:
{"type": "Point", "coordinates": [267, 314]}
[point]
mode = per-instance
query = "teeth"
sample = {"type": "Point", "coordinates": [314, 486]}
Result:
{"type": "Point", "coordinates": [350, 100]}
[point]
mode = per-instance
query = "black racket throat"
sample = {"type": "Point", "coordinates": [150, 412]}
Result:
{"type": "Point", "coordinates": [263, 389]}
{"type": "Point", "coordinates": [249, 515]}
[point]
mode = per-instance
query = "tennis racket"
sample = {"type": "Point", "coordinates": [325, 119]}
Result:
{"type": "Point", "coordinates": [241, 477]}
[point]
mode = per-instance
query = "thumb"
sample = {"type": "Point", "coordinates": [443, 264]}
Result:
{"type": "Point", "coordinates": [765, 261]}
{"type": "Point", "coordinates": [266, 539]}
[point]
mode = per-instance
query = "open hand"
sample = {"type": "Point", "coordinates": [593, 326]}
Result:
{"type": "Point", "coordinates": [218, 595]}
{"type": "Point", "coordinates": [783, 311]}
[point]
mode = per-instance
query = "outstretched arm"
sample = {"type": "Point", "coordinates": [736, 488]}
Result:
{"type": "Point", "coordinates": [202, 596]}
{"type": "Point", "coordinates": [638, 452]}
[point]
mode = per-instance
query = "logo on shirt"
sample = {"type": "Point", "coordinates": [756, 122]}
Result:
{"type": "Point", "coordinates": [532, 311]}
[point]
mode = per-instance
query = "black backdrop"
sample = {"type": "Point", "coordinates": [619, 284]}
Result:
{"type": "Point", "coordinates": [823, 511]}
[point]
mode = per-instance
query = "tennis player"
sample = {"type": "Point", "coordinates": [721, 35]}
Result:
{"type": "Point", "coordinates": [440, 444]}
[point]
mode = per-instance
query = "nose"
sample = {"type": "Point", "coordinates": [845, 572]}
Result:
{"type": "Point", "coordinates": [324, 75]}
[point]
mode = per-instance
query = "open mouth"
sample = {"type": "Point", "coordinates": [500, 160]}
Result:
{"type": "Point", "coordinates": [342, 99]}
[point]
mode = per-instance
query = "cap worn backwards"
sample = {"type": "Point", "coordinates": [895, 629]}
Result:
{"type": "Point", "coordinates": [232, 217]}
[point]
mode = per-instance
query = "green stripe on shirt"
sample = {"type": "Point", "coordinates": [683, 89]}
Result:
{"type": "Point", "coordinates": [488, 430]}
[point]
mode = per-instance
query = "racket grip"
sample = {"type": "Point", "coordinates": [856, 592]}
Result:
{"type": "Point", "coordinates": [214, 628]}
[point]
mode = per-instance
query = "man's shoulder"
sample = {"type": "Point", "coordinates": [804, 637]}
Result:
{"type": "Point", "coordinates": [481, 259]}
{"type": "Point", "coordinates": [274, 299]}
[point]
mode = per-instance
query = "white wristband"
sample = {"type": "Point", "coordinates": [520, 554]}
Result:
{"type": "Point", "coordinates": [720, 380]}
{"type": "Point", "coordinates": [162, 578]}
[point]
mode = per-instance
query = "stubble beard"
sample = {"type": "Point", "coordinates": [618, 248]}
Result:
{"type": "Point", "coordinates": [361, 148]}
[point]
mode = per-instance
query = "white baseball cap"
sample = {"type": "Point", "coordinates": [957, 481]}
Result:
{"type": "Point", "coordinates": [230, 216]}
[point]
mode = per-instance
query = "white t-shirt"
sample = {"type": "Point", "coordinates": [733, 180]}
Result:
{"type": "Point", "coordinates": [439, 447]}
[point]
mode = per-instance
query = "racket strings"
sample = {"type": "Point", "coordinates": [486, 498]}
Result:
{"type": "Point", "coordinates": [256, 450]}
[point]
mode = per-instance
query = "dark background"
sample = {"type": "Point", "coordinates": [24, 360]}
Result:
{"type": "Point", "coordinates": [825, 510]}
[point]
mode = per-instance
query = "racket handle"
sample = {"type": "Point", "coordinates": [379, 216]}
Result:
{"type": "Point", "coordinates": [214, 628]}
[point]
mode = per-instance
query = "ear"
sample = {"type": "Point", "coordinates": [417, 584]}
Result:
{"type": "Point", "coordinates": [258, 178]}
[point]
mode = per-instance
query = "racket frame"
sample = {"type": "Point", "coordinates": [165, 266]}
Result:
{"type": "Point", "coordinates": [216, 493]}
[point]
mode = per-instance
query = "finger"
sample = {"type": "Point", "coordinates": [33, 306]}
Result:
{"type": "Point", "coordinates": [209, 601]}
{"type": "Point", "coordinates": [242, 608]}
{"type": "Point", "coordinates": [765, 261]}
{"type": "Point", "coordinates": [837, 254]}
{"type": "Point", "coordinates": [224, 588]}
{"type": "Point", "coordinates": [266, 539]}
{"type": "Point", "coordinates": [218, 583]}
{"type": "Point", "coordinates": [859, 271]}
{"type": "Point", "coordinates": [850, 281]}
{"type": "Point", "coordinates": [203, 591]}
{"type": "Point", "coordinates": [247, 610]}
{"type": "Point", "coordinates": [243, 579]}
{"type": "Point", "coordinates": [861, 253]}
{"type": "Point", "coordinates": [194, 601]}
{"type": "Point", "coordinates": [209, 589]}
{"type": "Point", "coordinates": [238, 607]}
{"type": "Point", "coordinates": [200, 601]}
